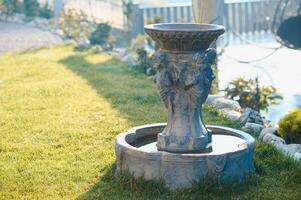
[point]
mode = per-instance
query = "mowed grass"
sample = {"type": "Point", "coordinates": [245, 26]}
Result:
{"type": "Point", "coordinates": [60, 110]}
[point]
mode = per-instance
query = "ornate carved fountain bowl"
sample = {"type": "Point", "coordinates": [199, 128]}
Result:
{"type": "Point", "coordinates": [184, 150]}
{"type": "Point", "coordinates": [184, 37]}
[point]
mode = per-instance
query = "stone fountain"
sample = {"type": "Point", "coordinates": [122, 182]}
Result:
{"type": "Point", "coordinates": [185, 151]}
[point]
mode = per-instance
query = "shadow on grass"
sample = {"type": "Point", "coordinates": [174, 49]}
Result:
{"type": "Point", "coordinates": [134, 95]}
{"type": "Point", "coordinates": [131, 94]}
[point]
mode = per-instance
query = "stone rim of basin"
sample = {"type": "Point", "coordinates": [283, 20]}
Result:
{"type": "Point", "coordinates": [186, 27]}
{"type": "Point", "coordinates": [138, 132]}
{"type": "Point", "coordinates": [184, 37]}
{"type": "Point", "coordinates": [182, 170]}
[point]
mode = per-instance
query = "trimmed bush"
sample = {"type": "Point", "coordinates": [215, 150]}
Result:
{"type": "Point", "coordinates": [290, 127]}
{"type": "Point", "coordinates": [46, 11]}
{"type": "Point", "coordinates": [31, 8]}
{"type": "Point", "coordinates": [101, 34]}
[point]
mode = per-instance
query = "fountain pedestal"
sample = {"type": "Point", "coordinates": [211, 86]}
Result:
{"type": "Point", "coordinates": [183, 151]}
{"type": "Point", "coordinates": [184, 77]}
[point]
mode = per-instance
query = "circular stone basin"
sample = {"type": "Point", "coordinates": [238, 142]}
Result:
{"type": "Point", "coordinates": [230, 159]}
{"type": "Point", "coordinates": [184, 37]}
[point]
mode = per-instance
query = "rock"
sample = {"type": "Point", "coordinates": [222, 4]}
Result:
{"type": "Point", "coordinates": [267, 131]}
{"type": "Point", "coordinates": [252, 128]}
{"type": "Point", "coordinates": [272, 125]}
{"type": "Point", "coordinates": [226, 104]}
{"type": "Point", "coordinates": [130, 59]}
{"type": "Point", "coordinates": [251, 116]}
{"type": "Point", "coordinates": [31, 23]}
{"type": "Point", "coordinates": [212, 98]}
{"type": "Point", "coordinates": [273, 139]}
{"type": "Point", "coordinates": [232, 115]}
{"type": "Point", "coordinates": [83, 42]}
{"type": "Point", "coordinates": [59, 32]}
{"type": "Point", "coordinates": [297, 156]}
{"type": "Point", "coordinates": [150, 71]}
{"type": "Point", "coordinates": [292, 149]}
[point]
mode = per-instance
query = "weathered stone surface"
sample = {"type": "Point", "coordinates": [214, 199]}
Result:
{"type": "Point", "coordinates": [252, 128]}
{"type": "Point", "coordinates": [265, 131]}
{"type": "Point", "coordinates": [226, 104]}
{"type": "Point", "coordinates": [273, 139]}
{"type": "Point", "coordinates": [292, 149]}
{"type": "Point", "coordinates": [180, 170]}
{"type": "Point", "coordinates": [297, 156]}
{"type": "Point", "coordinates": [184, 37]}
{"type": "Point", "coordinates": [184, 77]}
{"type": "Point", "coordinates": [251, 116]}
{"type": "Point", "coordinates": [212, 98]}
{"type": "Point", "coordinates": [184, 81]}
{"type": "Point", "coordinates": [232, 115]}
{"type": "Point", "coordinates": [150, 71]}
{"type": "Point", "coordinates": [272, 125]}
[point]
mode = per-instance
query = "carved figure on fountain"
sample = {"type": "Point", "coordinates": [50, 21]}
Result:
{"type": "Point", "coordinates": [184, 82]}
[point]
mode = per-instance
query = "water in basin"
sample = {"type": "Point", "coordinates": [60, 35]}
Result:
{"type": "Point", "coordinates": [221, 144]}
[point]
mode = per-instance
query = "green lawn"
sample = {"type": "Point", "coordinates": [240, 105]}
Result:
{"type": "Point", "coordinates": [60, 110]}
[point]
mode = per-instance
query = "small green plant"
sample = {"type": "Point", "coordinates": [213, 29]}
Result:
{"type": "Point", "coordinates": [31, 8]}
{"type": "Point", "coordinates": [144, 62]}
{"type": "Point", "coordinates": [249, 94]}
{"type": "Point", "coordinates": [9, 7]}
{"type": "Point", "coordinates": [290, 127]}
{"type": "Point", "coordinates": [75, 24]}
{"type": "Point", "coordinates": [46, 11]}
{"type": "Point", "coordinates": [101, 34]}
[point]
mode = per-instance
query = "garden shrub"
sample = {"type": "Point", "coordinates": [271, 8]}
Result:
{"type": "Point", "coordinates": [31, 8]}
{"type": "Point", "coordinates": [101, 35]}
{"type": "Point", "coordinates": [290, 127]}
{"type": "Point", "coordinates": [75, 24]}
{"type": "Point", "coordinates": [10, 7]}
{"type": "Point", "coordinates": [145, 64]}
{"type": "Point", "coordinates": [46, 11]}
{"type": "Point", "coordinates": [248, 93]}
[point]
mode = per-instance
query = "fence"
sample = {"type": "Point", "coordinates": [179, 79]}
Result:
{"type": "Point", "coordinates": [246, 17]}
{"type": "Point", "coordinates": [243, 18]}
